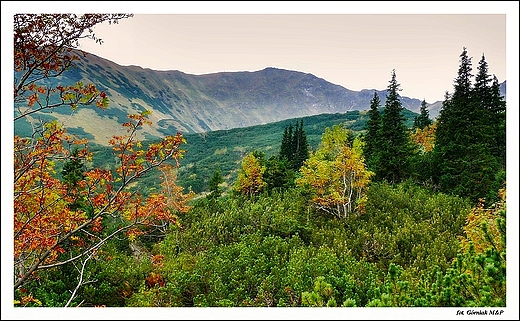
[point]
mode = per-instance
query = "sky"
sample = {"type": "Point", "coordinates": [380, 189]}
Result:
{"type": "Point", "coordinates": [356, 51]}
{"type": "Point", "coordinates": [352, 44]}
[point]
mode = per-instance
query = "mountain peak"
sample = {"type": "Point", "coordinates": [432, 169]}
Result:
{"type": "Point", "coordinates": [199, 103]}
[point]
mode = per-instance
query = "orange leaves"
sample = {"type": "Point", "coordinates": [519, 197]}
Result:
{"type": "Point", "coordinates": [133, 233]}
{"type": "Point", "coordinates": [54, 217]}
{"type": "Point", "coordinates": [96, 225]}
{"type": "Point", "coordinates": [49, 213]}
{"type": "Point", "coordinates": [32, 99]}
{"type": "Point", "coordinates": [175, 197]}
{"type": "Point", "coordinates": [155, 279]}
{"type": "Point", "coordinates": [157, 260]}
{"type": "Point", "coordinates": [135, 160]}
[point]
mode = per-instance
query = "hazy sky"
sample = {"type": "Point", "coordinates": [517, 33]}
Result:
{"type": "Point", "coordinates": [356, 51]}
{"type": "Point", "coordinates": [352, 44]}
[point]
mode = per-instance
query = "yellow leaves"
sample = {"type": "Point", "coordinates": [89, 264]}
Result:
{"type": "Point", "coordinates": [336, 174]}
{"type": "Point", "coordinates": [26, 300]}
{"type": "Point", "coordinates": [250, 179]}
{"type": "Point", "coordinates": [477, 219]}
{"type": "Point", "coordinates": [425, 138]}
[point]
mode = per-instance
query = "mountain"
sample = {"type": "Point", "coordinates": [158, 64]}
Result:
{"type": "Point", "coordinates": [202, 103]}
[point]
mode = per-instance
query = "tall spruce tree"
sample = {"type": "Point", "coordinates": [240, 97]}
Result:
{"type": "Point", "coordinates": [492, 111]}
{"type": "Point", "coordinates": [395, 153]}
{"type": "Point", "coordinates": [451, 136]}
{"type": "Point", "coordinates": [72, 173]}
{"type": "Point", "coordinates": [373, 134]}
{"type": "Point", "coordinates": [294, 148]}
{"type": "Point", "coordinates": [463, 151]}
{"type": "Point", "coordinates": [497, 110]}
{"type": "Point", "coordinates": [483, 121]}
{"type": "Point", "coordinates": [423, 119]}
{"type": "Point", "coordinates": [285, 148]}
{"type": "Point", "coordinates": [215, 191]}
{"type": "Point", "coordinates": [301, 153]}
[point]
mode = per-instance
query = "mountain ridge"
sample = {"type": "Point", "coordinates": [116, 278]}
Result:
{"type": "Point", "coordinates": [182, 102]}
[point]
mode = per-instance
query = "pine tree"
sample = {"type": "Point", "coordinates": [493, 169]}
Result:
{"type": "Point", "coordinates": [301, 152]}
{"type": "Point", "coordinates": [372, 137]}
{"type": "Point", "coordinates": [451, 137]}
{"type": "Point", "coordinates": [464, 147]}
{"type": "Point", "coordinates": [423, 119]}
{"type": "Point", "coordinates": [394, 156]}
{"type": "Point", "coordinates": [277, 175]}
{"type": "Point", "coordinates": [294, 148]}
{"type": "Point", "coordinates": [497, 110]}
{"type": "Point", "coordinates": [214, 185]}
{"type": "Point", "coordinates": [285, 148]}
{"type": "Point", "coordinates": [492, 111]}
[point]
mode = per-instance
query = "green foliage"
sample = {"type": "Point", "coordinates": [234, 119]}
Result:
{"type": "Point", "coordinates": [206, 224]}
{"type": "Point", "coordinates": [423, 119]}
{"type": "Point", "coordinates": [472, 280]}
{"type": "Point", "coordinates": [110, 278]}
{"type": "Point", "coordinates": [118, 276]}
{"type": "Point", "coordinates": [470, 141]}
{"type": "Point", "coordinates": [294, 148]}
{"type": "Point", "coordinates": [372, 138]}
{"type": "Point", "coordinates": [278, 176]}
{"type": "Point", "coordinates": [72, 173]}
{"type": "Point", "coordinates": [394, 151]}
{"type": "Point", "coordinates": [323, 294]}
{"type": "Point", "coordinates": [408, 225]}
{"type": "Point", "coordinates": [214, 185]}
{"type": "Point", "coordinates": [271, 251]}
{"type": "Point", "coordinates": [259, 254]}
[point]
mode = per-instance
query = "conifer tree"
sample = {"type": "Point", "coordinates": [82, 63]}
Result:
{"type": "Point", "coordinates": [498, 119]}
{"type": "Point", "coordinates": [214, 185]}
{"type": "Point", "coordinates": [301, 153]}
{"type": "Point", "coordinates": [294, 148]}
{"type": "Point", "coordinates": [491, 107]}
{"type": "Point", "coordinates": [395, 149]}
{"type": "Point", "coordinates": [423, 119]}
{"type": "Point", "coordinates": [72, 173]}
{"type": "Point", "coordinates": [451, 137]}
{"type": "Point", "coordinates": [285, 149]}
{"type": "Point", "coordinates": [372, 137]}
{"type": "Point", "coordinates": [465, 153]}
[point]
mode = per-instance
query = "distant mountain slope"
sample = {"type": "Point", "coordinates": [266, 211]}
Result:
{"type": "Point", "coordinates": [201, 103]}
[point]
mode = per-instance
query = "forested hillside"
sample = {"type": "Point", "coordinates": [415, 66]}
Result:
{"type": "Point", "coordinates": [224, 149]}
{"type": "Point", "coordinates": [384, 208]}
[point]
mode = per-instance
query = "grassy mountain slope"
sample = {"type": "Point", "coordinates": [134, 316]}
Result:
{"type": "Point", "coordinates": [200, 103]}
